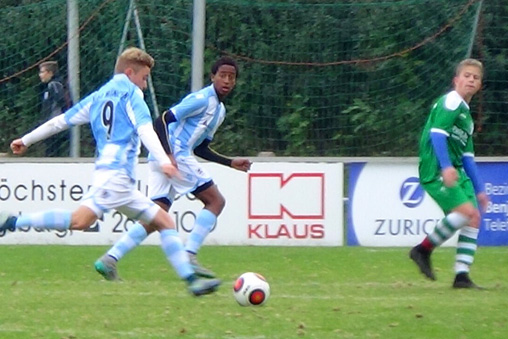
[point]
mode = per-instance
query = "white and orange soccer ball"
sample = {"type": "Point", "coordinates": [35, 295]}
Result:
{"type": "Point", "coordinates": [251, 289]}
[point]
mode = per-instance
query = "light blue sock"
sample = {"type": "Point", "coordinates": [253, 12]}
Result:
{"type": "Point", "coordinates": [173, 249]}
{"type": "Point", "coordinates": [134, 236]}
{"type": "Point", "coordinates": [204, 223]}
{"type": "Point", "coordinates": [57, 219]}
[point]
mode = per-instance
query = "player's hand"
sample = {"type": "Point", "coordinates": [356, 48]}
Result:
{"type": "Point", "coordinates": [483, 200]}
{"type": "Point", "coordinates": [18, 147]}
{"type": "Point", "coordinates": [450, 176]}
{"type": "Point", "coordinates": [171, 171]}
{"type": "Point", "coordinates": [241, 164]}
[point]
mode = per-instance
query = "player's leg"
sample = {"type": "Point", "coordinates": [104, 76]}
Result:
{"type": "Point", "coordinates": [56, 219]}
{"type": "Point", "coordinates": [172, 245]}
{"type": "Point", "coordinates": [111, 190]}
{"type": "Point", "coordinates": [467, 242]}
{"type": "Point", "coordinates": [106, 264]}
{"type": "Point", "coordinates": [159, 189]}
{"type": "Point", "coordinates": [205, 221]}
{"type": "Point", "coordinates": [196, 180]}
{"type": "Point", "coordinates": [449, 199]}
{"type": "Point", "coordinates": [136, 234]}
{"type": "Point", "coordinates": [61, 220]}
{"type": "Point", "coordinates": [149, 213]}
{"type": "Point", "coordinates": [100, 203]}
{"type": "Point", "coordinates": [466, 250]}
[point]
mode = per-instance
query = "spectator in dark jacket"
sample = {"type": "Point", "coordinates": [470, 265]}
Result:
{"type": "Point", "coordinates": [53, 103]}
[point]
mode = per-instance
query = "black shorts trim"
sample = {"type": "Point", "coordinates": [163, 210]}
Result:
{"type": "Point", "coordinates": [164, 200]}
{"type": "Point", "coordinates": [203, 187]}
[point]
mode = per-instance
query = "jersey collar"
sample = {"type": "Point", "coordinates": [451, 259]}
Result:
{"type": "Point", "coordinates": [461, 98]}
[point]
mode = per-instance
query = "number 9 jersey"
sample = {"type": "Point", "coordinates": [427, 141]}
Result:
{"type": "Point", "coordinates": [115, 112]}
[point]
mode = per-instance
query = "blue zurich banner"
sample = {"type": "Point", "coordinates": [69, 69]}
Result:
{"type": "Point", "coordinates": [494, 228]}
{"type": "Point", "coordinates": [387, 206]}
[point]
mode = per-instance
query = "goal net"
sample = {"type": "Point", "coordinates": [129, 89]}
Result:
{"type": "Point", "coordinates": [317, 78]}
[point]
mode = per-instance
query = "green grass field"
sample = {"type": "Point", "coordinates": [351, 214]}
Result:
{"type": "Point", "coordinates": [54, 292]}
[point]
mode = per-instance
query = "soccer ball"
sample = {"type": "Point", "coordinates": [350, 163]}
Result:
{"type": "Point", "coordinates": [251, 289]}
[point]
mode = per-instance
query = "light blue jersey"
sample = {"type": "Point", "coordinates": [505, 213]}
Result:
{"type": "Point", "coordinates": [198, 116]}
{"type": "Point", "coordinates": [114, 112]}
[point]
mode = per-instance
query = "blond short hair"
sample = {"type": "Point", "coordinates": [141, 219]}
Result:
{"type": "Point", "coordinates": [134, 58]}
{"type": "Point", "coordinates": [469, 62]}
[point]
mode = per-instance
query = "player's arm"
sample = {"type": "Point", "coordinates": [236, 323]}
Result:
{"type": "Point", "coordinates": [440, 146]}
{"type": "Point", "coordinates": [44, 131]}
{"type": "Point", "coordinates": [445, 114]}
{"type": "Point", "coordinates": [76, 115]}
{"type": "Point", "coordinates": [151, 142]}
{"type": "Point", "coordinates": [204, 151]}
{"type": "Point", "coordinates": [438, 139]}
{"type": "Point", "coordinates": [160, 126]}
{"type": "Point", "coordinates": [192, 104]}
{"type": "Point", "coordinates": [141, 119]}
{"type": "Point", "coordinates": [471, 170]}
{"type": "Point", "coordinates": [47, 129]}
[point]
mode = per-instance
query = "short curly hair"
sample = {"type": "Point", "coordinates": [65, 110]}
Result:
{"type": "Point", "coordinates": [225, 60]}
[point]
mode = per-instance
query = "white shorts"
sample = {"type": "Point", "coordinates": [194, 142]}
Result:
{"type": "Point", "coordinates": [115, 190]}
{"type": "Point", "coordinates": [192, 172]}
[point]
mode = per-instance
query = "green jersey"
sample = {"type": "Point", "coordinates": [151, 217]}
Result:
{"type": "Point", "coordinates": [451, 116]}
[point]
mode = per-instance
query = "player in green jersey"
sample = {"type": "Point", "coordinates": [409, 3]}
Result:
{"type": "Point", "coordinates": [449, 174]}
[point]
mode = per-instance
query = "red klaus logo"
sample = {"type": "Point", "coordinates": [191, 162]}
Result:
{"type": "Point", "coordinates": [299, 196]}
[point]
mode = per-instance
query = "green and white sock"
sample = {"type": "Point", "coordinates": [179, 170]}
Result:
{"type": "Point", "coordinates": [447, 227]}
{"type": "Point", "coordinates": [466, 249]}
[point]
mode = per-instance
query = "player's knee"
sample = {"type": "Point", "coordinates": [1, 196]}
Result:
{"type": "Point", "coordinates": [471, 213]}
{"type": "Point", "coordinates": [217, 205]}
{"type": "Point", "coordinates": [161, 222]}
{"type": "Point", "coordinates": [148, 228]}
{"type": "Point", "coordinates": [475, 219]}
{"type": "Point", "coordinates": [221, 202]}
{"type": "Point", "coordinates": [473, 216]}
{"type": "Point", "coordinates": [82, 218]}
{"type": "Point", "coordinates": [79, 225]}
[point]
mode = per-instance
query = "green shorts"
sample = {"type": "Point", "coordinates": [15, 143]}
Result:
{"type": "Point", "coordinates": [449, 198]}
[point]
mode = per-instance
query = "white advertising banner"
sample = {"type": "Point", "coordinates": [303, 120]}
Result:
{"type": "Point", "coordinates": [288, 204]}
{"type": "Point", "coordinates": [388, 206]}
